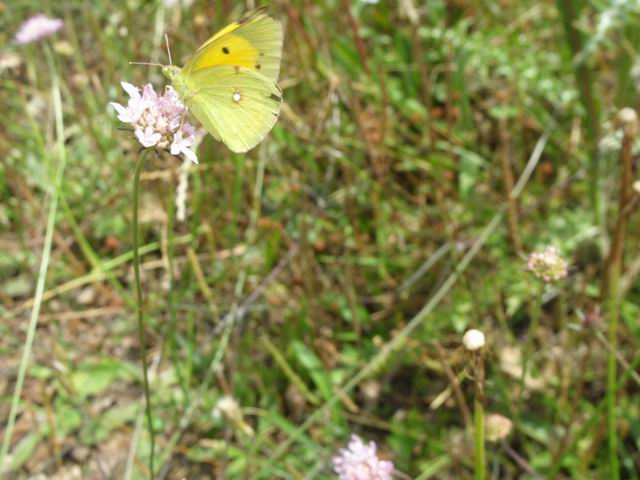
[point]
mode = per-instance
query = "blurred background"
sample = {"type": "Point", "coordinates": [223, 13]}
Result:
{"type": "Point", "coordinates": [320, 285]}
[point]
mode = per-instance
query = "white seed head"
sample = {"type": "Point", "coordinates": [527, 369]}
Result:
{"type": "Point", "coordinates": [498, 427]}
{"type": "Point", "coordinates": [228, 408]}
{"type": "Point", "coordinates": [473, 340]}
{"type": "Point", "coordinates": [628, 119]}
{"type": "Point", "coordinates": [627, 115]}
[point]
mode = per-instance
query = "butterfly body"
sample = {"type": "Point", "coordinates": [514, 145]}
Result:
{"type": "Point", "coordinates": [179, 82]}
{"type": "Point", "coordinates": [229, 84]}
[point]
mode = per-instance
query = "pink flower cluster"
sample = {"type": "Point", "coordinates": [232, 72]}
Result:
{"type": "Point", "coordinates": [548, 265]}
{"type": "Point", "coordinates": [360, 462]}
{"type": "Point", "coordinates": [36, 28]}
{"type": "Point", "coordinates": [158, 120]}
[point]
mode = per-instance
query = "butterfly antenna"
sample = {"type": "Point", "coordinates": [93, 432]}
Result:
{"type": "Point", "coordinates": [146, 63]}
{"type": "Point", "coordinates": [166, 40]}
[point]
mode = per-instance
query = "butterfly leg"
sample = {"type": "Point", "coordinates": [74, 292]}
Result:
{"type": "Point", "coordinates": [184, 115]}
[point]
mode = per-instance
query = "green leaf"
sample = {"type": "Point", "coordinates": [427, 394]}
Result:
{"type": "Point", "coordinates": [112, 419]}
{"type": "Point", "coordinates": [92, 378]}
{"type": "Point", "coordinates": [25, 449]}
{"type": "Point", "coordinates": [314, 367]}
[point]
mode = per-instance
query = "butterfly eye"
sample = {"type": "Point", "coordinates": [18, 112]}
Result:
{"type": "Point", "coordinates": [236, 97]}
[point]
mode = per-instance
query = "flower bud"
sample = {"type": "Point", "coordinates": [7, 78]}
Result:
{"type": "Point", "coordinates": [473, 340]}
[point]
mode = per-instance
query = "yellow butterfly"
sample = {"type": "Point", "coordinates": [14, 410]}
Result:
{"type": "Point", "coordinates": [229, 83]}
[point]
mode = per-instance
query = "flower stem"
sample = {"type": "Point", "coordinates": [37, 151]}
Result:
{"type": "Point", "coordinates": [613, 304]}
{"type": "Point", "coordinates": [480, 459]}
{"type": "Point", "coordinates": [139, 300]}
{"type": "Point", "coordinates": [611, 289]}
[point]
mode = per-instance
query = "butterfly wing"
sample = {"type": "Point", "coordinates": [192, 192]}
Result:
{"type": "Point", "coordinates": [253, 42]}
{"type": "Point", "coordinates": [236, 105]}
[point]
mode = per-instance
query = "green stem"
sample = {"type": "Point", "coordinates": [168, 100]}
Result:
{"type": "Point", "coordinates": [570, 13]}
{"type": "Point", "coordinates": [535, 313]}
{"type": "Point", "coordinates": [139, 300]}
{"type": "Point", "coordinates": [612, 314]}
{"type": "Point", "coordinates": [612, 286]}
{"type": "Point", "coordinates": [480, 459]}
{"type": "Point", "coordinates": [44, 263]}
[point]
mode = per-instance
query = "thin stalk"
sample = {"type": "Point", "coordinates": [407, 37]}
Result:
{"type": "Point", "coordinates": [171, 294]}
{"type": "Point", "coordinates": [570, 12]}
{"type": "Point", "coordinates": [508, 180]}
{"type": "Point", "coordinates": [455, 384]}
{"type": "Point", "coordinates": [139, 306]}
{"type": "Point", "coordinates": [628, 119]}
{"type": "Point", "coordinates": [480, 462]}
{"type": "Point", "coordinates": [44, 262]}
{"type": "Point", "coordinates": [413, 14]}
{"type": "Point", "coordinates": [535, 314]}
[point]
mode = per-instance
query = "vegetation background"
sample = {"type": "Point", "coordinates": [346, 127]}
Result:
{"type": "Point", "coordinates": [324, 280]}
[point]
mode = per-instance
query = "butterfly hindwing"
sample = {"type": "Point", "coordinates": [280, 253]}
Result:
{"type": "Point", "coordinates": [253, 42]}
{"type": "Point", "coordinates": [236, 105]}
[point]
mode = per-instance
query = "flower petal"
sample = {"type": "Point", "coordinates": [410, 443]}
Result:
{"type": "Point", "coordinates": [132, 90]}
{"type": "Point", "coordinates": [190, 155]}
{"type": "Point", "coordinates": [148, 138]}
{"type": "Point", "coordinates": [119, 108]}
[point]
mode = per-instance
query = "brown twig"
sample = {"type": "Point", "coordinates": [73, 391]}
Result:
{"type": "Point", "coordinates": [413, 15]}
{"type": "Point", "coordinates": [359, 41]}
{"type": "Point", "coordinates": [507, 178]}
{"type": "Point", "coordinates": [455, 384]}
{"type": "Point", "coordinates": [628, 120]}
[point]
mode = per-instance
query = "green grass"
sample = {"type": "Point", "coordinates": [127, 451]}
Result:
{"type": "Point", "coordinates": [324, 280]}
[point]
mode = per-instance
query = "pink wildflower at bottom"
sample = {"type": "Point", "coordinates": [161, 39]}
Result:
{"type": "Point", "coordinates": [360, 462]}
{"type": "Point", "coordinates": [158, 120]}
{"type": "Point", "coordinates": [548, 265]}
{"type": "Point", "coordinates": [36, 28]}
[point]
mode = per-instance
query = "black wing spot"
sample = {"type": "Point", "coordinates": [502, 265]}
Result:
{"type": "Point", "coordinates": [258, 66]}
{"type": "Point", "coordinates": [225, 50]}
{"type": "Point", "coordinates": [262, 54]}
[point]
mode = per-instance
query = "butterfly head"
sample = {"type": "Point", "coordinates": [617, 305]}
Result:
{"type": "Point", "coordinates": [170, 71]}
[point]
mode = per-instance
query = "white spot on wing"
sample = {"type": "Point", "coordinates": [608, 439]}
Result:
{"type": "Point", "coordinates": [236, 97]}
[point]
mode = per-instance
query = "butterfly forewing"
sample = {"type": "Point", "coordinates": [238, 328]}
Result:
{"type": "Point", "coordinates": [254, 42]}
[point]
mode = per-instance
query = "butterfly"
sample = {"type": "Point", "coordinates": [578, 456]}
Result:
{"type": "Point", "coordinates": [229, 83]}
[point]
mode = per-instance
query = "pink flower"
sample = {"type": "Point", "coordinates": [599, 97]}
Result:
{"type": "Point", "coordinates": [36, 28]}
{"type": "Point", "coordinates": [548, 265]}
{"type": "Point", "coordinates": [360, 462]}
{"type": "Point", "coordinates": [181, 145]}
{"type": "Point", "coordinates": [158, 120]}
